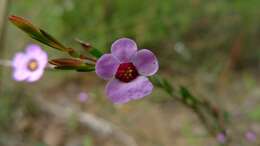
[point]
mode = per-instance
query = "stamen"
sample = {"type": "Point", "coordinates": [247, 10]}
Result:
{"type": "Point", "coordinates": [32, 65]}
{"type": "Point", "coordinates": [126, 72]}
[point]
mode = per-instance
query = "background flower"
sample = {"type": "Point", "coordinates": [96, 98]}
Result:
{"type": "Point", "coordinates": [221, 138]}
{"type": "Point", "coordinates": [127, 68]}
{"type": "Point", "coordinates": [250, 136]}
{"type": "Point", "coordinates": [29, 65]}
{"type": "Point", "coordinates": [83, 96]}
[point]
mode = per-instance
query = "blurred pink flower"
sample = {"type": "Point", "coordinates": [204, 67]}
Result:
{"type": "Point", "coordinates": [29, 65]}
{"type": "Point", "coordinates": [127, 69]}
{"type": "Point", "coordinates": [83, 96]}
{"type": "Point", "coordinates": [250, 136]}
{"type": "Point", "coordinates": [221, 138]}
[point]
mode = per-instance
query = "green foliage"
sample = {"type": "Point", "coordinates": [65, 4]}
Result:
{"type": "Point", "coordinates": [162, 83]}
{"type": "Point", "coordinates": [37, 33]}
{"type": "Point", "coordinates": [187, 96]}
{"type": "Point", "coordinates": [84, 68]}
{"type": "Point", "coordinates": [206, 28]}
{"type": "Point", "coordinates": [95, 52]}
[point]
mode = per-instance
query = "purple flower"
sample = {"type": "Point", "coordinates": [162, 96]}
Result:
{"type": "Point", "coordinates": [83, 96]}
{"type": "Point", "coordinates": [126, 69]}
{"type": "Point", "coordinates": [250, 136]}
{"type": "Point", "coordinates": [221, 137]}
{"type": "Point", "coordinates": [29, 65]}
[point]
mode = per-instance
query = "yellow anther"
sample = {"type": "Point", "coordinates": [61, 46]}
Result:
{"type": "Point", "coordinates": [32, 65]}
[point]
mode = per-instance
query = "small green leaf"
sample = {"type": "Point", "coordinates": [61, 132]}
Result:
{"type": "Point", "coordinates": [185, 92]}
{"type": "Point", "coordinates": [24, 24]}
{"type": "Point", "coordinates": [37, 33]}
{"type": "Point", "coordinates": [95, 52]}
{"type": "Point", "coordinates": [167, 86]}
{"type": "Point", "coordinates": [187, 96]}
{"type": "Point", "coordinates": [85, 45]}
{"type": "Point", "coordinates": [156, 80]}
{"type": "Point", "coordinates": [81, 68]}
{"type": "Point", "coordinates": [66, 62]}
{"type": "Point", "coordinates": [52, 42]}
{"type": "Point", "coordinates": [91, 50]}
{"type": "Point", "coordinates": [86, 69]}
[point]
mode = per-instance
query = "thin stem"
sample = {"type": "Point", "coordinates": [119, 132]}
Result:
{"type": "Point", "coordinates": [195, 109]}
{"type": "Point", "coordinates": [88, 58]}
{"type": "Point", "coordinates": [75, 54]}
{"type": "Point", "coordinates": [208, 114]}
{"type": "Point", "coordinates": [6, 63]}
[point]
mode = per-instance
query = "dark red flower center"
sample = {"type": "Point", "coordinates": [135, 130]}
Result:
{"type": "Point", "coordinates": [126, 72]}
{"type": "Point", "coordinates": [32, 65]}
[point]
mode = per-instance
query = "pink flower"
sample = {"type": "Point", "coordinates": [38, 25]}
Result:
{"type": "Point", "coordinates": [29, 65]}
{"type": "Point", "coordinates": [221, 137]}
{"type": "Point", "coordinates": [250, 136]}
{"type": "Point", "coordinates": [83, 96]}
{"type": "Point", "coordinates": [126, 69]}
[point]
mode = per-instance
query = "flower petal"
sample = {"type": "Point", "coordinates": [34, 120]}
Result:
{"type": "Point", "coordinates": [106, 66]}
{"type": "Point", "coordinates": [34, 76]}
{"type": "Point", "coordinates": [35, 51]}
{"type": "Point", "coordinates": [121, 92]}
{"type": "Point", "coordinates": [145, 62]}
{"type": "Point", "coordinates": [124, 49]}
{"type": "Point", "coordinates": [20, 75]}
{"type": "Point", "coordinates": [19, 60]}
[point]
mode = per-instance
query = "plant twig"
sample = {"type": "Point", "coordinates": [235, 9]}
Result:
{"type": "Point", "coordinates": [209, 115]}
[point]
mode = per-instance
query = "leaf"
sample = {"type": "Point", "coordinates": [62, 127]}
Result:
{"type": "Point", "coordinates": [66, 62]}
{"type": "Point", "coordinates": [156, 80]}
{"type": "Point", "coordinates": [185, 92]}
{"type": "Point", "coordinates": [86, 46]}
{"type": "Point", "coordinates": [81, 68]}
{"type": "Point", "coordinates": [91, 50]}
{"type": "Point", "coordinates": [72, 64]}
{"type": "Point", "coordinates": [37, 33]}
{"type": "Point", "coordinates": [52, 42]}
{"type": "Point", "coordinates": [24, 24]}
{"type": "Point", "coordinates": [86, 69]}
{"type": "Point", "coordinates": [95, 52]}
{"type": "Point", "coordinates": [162, 83]}
{"type": "Point", "coordinates": [187, 96]}
{"type": "Point", "coordinates": [167, 86]}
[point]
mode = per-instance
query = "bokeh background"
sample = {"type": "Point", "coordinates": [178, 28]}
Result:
{"type": "Point", "coordinates": [210, 46]}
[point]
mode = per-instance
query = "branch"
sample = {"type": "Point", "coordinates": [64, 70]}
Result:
{"type": "Point", "coordinates": [210, 116]}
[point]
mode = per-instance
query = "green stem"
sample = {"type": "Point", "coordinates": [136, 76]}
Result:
{"type": "Point", "coordinates": [209, 115]}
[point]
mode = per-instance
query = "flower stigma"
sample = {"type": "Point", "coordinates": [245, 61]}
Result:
{"type": "Point", "coordinates": [126, 72]}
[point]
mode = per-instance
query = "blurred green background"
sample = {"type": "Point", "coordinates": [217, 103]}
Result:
{"type": "Point", "coordinates": [211, 46]}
